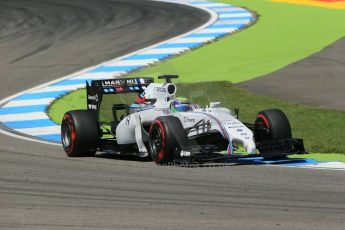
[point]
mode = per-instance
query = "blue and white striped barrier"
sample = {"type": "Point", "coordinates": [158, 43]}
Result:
{"type": "Point", "coordinates": [25, 114]}
{"type": "Point", "coordinates": [295, 162]}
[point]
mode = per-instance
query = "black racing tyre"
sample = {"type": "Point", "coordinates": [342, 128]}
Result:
{"type": "Point", "coordinates": [80, 133]}
{"type": "Point", "coordinates": [271, 124]}
{"type": "Point", "coordinates": [166, 139]}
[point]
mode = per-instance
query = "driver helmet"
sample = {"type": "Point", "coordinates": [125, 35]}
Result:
{"type": "Point", "coordinates": [180, 104]}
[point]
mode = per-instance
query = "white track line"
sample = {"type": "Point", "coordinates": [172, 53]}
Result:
{"type": "Point", "coordinates": [209, 4]}
{"type": "Point", "coordinates": [216, 30]}
{"type": "Point", "coordinates": [231, 22]}
{"type": "Point", "coordinates": [191, 40]}
{"type": "Point", "coordinates": [41, 130]}
{"type": "Point", "coordinates": [98, 76]}
{"type": "Point", "coordinates": [59, 88]}
{"type": "Point", "coordinates": [133, 62]}
{"type": "Point", "coordinates": [18, 103]}
{"type": "Point", "coordinates": [334, 165]}
{"type": "Point", "coordinates": [165, 51]}
{"type": "Point", "coordinates": [23, 117]}
{"type": "Point", "coordinates": [240, 15]}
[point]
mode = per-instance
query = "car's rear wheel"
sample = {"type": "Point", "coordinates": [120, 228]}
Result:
{"type": "Point", "coordinates": [271, 125]}
{"type": "Point", "coordinates": [80, 133]}
{"type": "Point", "coordinates": [166, 139]}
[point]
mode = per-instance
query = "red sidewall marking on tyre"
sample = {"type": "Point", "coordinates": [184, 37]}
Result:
{"type": "Point", "coordinates": [73, 133]}
{"type": "Point", "coordinates": [161, 154]}
{"type": "Point", "coordinates": [264, 119]}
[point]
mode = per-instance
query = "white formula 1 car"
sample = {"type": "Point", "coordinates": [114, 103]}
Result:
{"type": "Point", "coordinates": [171, 129]}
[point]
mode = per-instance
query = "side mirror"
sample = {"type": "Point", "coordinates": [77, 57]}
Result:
{"type": "Point", "coordinates": [237, 112]}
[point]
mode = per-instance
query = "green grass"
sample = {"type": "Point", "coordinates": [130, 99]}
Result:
{"type": "Point", "coordinates": [322, 130]}
{"type": "Point", "coordinates": [283, 34]}
{"type": "Point", "coordinates": [77, 100]}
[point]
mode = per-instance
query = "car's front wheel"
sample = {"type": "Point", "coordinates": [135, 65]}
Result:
{"type": "Point", "coordinates": [271, 125]}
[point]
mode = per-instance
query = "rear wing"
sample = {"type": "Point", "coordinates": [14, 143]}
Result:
{"type": "Point", "coordinates": [95, 91]}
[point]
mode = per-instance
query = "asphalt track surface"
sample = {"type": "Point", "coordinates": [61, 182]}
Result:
{"type": "Point", "coordinates": [317, 80]}
{"type": "Point", "coordinates": [40, 188]}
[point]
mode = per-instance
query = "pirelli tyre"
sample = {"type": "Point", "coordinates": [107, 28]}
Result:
{"type": "Point", "coordinates": [271, 125]}
{"type": "Point", "coordinates": [166, 139]}
{"type": "Point", "coordinates": [80, 133]}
